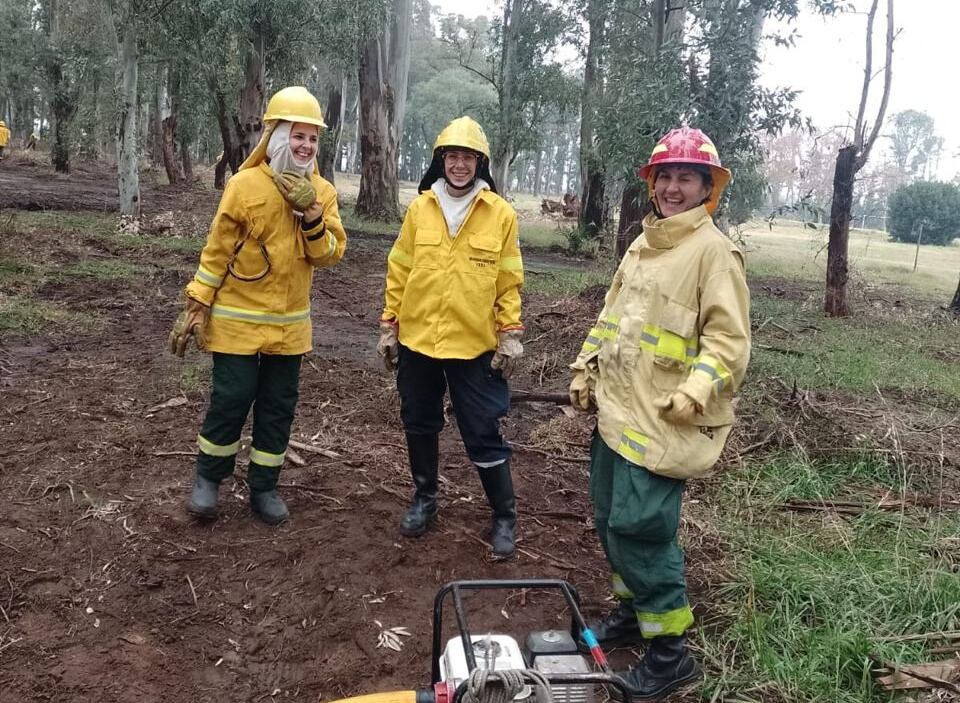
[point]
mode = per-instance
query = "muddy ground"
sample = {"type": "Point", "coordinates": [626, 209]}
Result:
{"type": "Point", "coordinates": [110, 592]}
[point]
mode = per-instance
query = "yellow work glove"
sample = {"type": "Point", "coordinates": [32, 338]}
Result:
{"type": "Point", "coordinates": [388, 347]}
{"type": "Point", "coordinates": [297, 190]}
{"type": "Point", "coordinates": [191, 323]}
{"type": "Point", "coordinates": [509, 351]}
{"type": "Point", "coordinates": [580, 391]}
{"type": "Point", "coordinates": [678, 408]}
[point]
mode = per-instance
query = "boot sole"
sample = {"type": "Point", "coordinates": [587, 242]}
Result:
{"type": "Point", "coordinates": [694, 677]}
{"type": "Point", "coordinates": [269, 520]}
{"type": "Point", "coordinates": [202, 513]}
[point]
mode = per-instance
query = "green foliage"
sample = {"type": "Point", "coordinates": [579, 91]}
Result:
{"type": "Point", "coordinates": [811, 599]}
{"type": "Point", "coordinates": [913, 141]}
{"type": "Point", "coordinates": [931, 205]}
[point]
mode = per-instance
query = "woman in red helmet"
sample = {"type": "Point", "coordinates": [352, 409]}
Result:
{"type": "Point", "coordinates": [662, 365]}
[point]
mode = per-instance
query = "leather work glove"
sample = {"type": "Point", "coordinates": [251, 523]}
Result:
{"type": "Point", "coordinates": [509, 352]}
{"type": "Point", "coordinates": [388, 347]}
{"type": "Point", "coordinates": [297, 190]}
{"type": "Point", "coordinates": [191, 323]}
{"type": "Point", "coordinates": [581, 394]}
{"type": "Point", "coordinates": [678, 408]}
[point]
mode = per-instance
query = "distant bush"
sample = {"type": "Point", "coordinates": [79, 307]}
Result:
{"type": "Point", "coordinates": [933, 204]}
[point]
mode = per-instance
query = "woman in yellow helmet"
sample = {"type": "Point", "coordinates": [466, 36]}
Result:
{"type": "Point", "coordinates": [249, 301]}
{"type": "Point", "coordinates": [4, 137]}
{"type": "Point", "coordinates": [452, 318]}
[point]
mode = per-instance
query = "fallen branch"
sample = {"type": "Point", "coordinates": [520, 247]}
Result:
{"type": "Point", "coordinates": [532, 397]}
{"type": "Point", "coordinates": [329, 453]}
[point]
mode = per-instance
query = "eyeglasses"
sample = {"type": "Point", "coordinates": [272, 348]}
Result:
{"type": "Point", "coordinates": [464, 157]}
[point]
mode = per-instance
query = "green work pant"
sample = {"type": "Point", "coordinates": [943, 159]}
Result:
{"type": "Point", "coordinates": [637, 514]}
{"type": "Point", "coordinates": [270, 383]}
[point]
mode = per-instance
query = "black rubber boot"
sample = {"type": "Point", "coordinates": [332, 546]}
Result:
{"type": "Point", "coordinates": [619, 627]}
{"type": "Point", "coordinates": [269, 506]}
{"type": "Point", "coordinates": [424, 451]}
{"type": "Point", "coordinates": [203, 499]}
{"type": "Point", "coordinates": [667, 666]}
{"type": "Point", "coordinates": [265, 503]}
{"type": "Point", "coordinates": [498, 485]}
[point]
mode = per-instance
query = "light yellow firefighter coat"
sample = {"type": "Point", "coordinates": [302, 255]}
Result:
{"type": "Point", "coordinates": [675, 318]}
{"type": "Point", "coordinates": [4, 135]}
{"type": "Point", "coordinates": [271, 314]}
{"type": "Point", "coordinates": [451, 295]}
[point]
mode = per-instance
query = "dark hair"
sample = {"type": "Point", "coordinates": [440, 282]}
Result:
{"type": "Point", "coordinates": [705, 173]}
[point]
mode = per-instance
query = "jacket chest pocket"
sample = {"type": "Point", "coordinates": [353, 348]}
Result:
{"type": "Point", "coordinates": [482, 256]}
{"type": "Point", "coordinates": [427, 249]}
{"type": "Point", "coordinates": [673, 344]}
{"type": "Point", "coordinates": [251, 259]}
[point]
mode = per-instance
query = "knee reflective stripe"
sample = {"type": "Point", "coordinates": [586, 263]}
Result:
{"type": "Point", "coordinates": [266, 458]}
{"type": "Point", "coordinates": [674, 622]}
{"type": "Point", "coordinates": [488, 464]}
{"type": "Point", "coordinates": [633, 445]}
{"type": "Point", "coordinates": [211, 449]}
{"type": "Point", "coordinates": [620, 589]}
{"type": "Point", "coordinates": [711, 366]}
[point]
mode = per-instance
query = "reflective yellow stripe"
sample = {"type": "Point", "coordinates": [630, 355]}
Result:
{"type": "Point", "coordinates": [664, 343]}
{"type": "Point", "coordinates": [333, 244]}
{"type": "Point", "coordinates": [266, 458]}
{"type": "Point", "coordinates": [260, 317]}
{"type": "Point", "coordinates": [511, 263]}
{"type": "Point", "coordinates": [620, 589]}
{"type": "Point", "coordinates": [211, 449]}
{"type": "Point", "coordinates": [590, 344]}
{"type": "Point", "coordinates": [207, 278]}
{"type": "Point", "coordinates": [606, 328]}
{"type": "Point", "coordinates": [713, 368]}
{"type": "Point", "coordinates": [398, 257]}
{"type": "Point", "coordinates": [633, 446]}
{"type": "Point", "coordinates": [673, 622]}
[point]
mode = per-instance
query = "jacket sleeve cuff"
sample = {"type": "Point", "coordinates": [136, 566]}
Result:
{"type": "Point", "coordinates": [200, 292]}
{"type": "Point", "coordinates": [699, 386]}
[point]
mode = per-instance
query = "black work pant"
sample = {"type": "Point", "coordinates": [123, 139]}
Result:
{"type": "Point", "coordinates": [270, 383]}
{"type": "Point", "coordinates": [480, 397]}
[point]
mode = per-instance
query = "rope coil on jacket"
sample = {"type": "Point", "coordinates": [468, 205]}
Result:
{"type": "Point", "coordinates": [486, 686]}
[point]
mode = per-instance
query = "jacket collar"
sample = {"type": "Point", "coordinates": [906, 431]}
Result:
{"type": "Point", "coordinates": [485, 195]}
{"type": "Point", "coordinates": [667, 232]}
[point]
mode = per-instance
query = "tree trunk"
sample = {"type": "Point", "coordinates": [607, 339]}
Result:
{"type": "Point", "coordinates": [129, 177]}
{"type": "Point", "coordinates": [384, 65]}
{"type": "Point", "coordinates": [835, 299]}
{"type": "Point", "coordinates": [229, 135]}
{"type": "Point", "coordinates": [631, 216]}
{"type": "Point", "coordinates": [955, 303]}
{"type": "Point", "coordinates": [502, 152]}
{"type": "Point", "coordinates": [592, 219]}
{"type": "Point", "coordinates": [327, 155]}
{"type": "Point", "coordinates": [159, 113]}
{"type": "Point", "coordinates": [252, 103]}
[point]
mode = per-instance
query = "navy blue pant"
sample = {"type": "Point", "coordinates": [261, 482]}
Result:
{"type": "Point", "coordinates": [480, 397]}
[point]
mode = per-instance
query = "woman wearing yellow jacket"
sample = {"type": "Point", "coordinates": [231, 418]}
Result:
{"type": "Point", "coordinates": [249, 301]}
{"type": "Point", "coordinates": [452, 318]}
{"type": "Point", "coordinates": [4, 137]}
{"type": "Point", "coordinates": [662, 364]}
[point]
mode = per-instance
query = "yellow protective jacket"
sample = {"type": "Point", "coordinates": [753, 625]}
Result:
{"type": "Point", "coordinates": [272, 313]}
{"type": "Point", "coordinates": [451, 295]}
{"type": "Point", "coordinates": [677, 317]}
{"type": "Point", "coordinates": [4, 136]}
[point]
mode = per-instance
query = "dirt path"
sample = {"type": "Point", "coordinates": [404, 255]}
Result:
{"type": "Point", "coordinates": [110, 592]}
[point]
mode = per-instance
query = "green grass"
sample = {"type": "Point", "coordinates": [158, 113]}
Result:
{"type": "Point", "coordinates": [91, 223]}
{"type": "Point", "coordinates": [565, 282]}
{"type": "Point", "coordinates": [100, 270]}
{"type": "Point", "coordinates": [855, 354]}
{"type": "Point", "coordinates": [14, 272]}
{"type": "Point", "coordinates": [20, 315]}
{"type": "Point", "coordinates": [195, 373]}
{"type": "Point", "coordinates": [812, 598]}
{"type": "Point", "coordinates": [544, 235]}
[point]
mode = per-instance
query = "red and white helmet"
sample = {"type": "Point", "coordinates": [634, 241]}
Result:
{"type": "Point", "coordinates": [686, 145]}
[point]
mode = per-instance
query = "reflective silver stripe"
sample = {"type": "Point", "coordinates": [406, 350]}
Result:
{"type": "Point", "coordinates": [488, 464]}
{"type": "Point", "coordinates": [211, 449]}
{"type": "Point", "coordinates": [649, 338]}
{"type": "Point", "coordinates": [208, 278]}
{"type": "Point", "coordinates": [713, 373]}
{"type": "Point", "coordinates": [263, 318]}
{"type": "Point", "coordinates": [266, 458]}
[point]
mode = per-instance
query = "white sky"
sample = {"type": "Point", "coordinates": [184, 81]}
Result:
{"type": "Point", "coordinates": [826, 64]}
